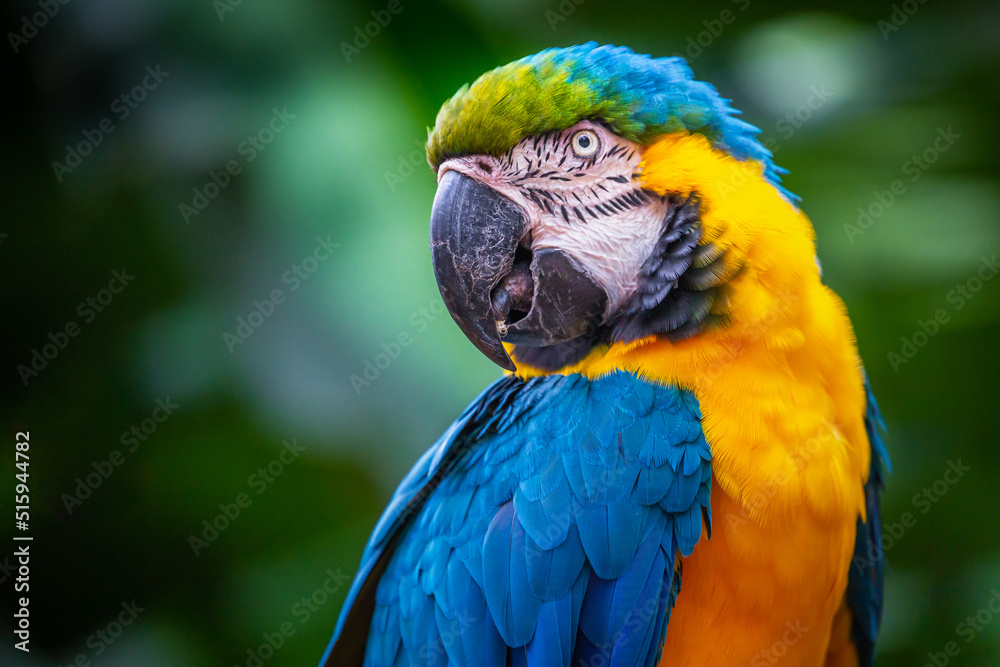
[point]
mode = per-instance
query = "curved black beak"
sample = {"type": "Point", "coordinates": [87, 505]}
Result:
{"type": "Point", "coordinates": [475, 232]}
{"type": "Point", "coordinates": [494, 286]}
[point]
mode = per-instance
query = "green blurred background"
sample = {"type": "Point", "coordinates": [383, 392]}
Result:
{"type": "Point", "coordinates": [845, 101]}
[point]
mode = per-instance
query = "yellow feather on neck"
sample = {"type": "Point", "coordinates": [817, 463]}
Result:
{"type": "Point", "coordinates": [780, 385]}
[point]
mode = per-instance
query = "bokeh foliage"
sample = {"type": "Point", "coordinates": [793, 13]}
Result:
{"type": "Point", "coordinates": [864, 98]}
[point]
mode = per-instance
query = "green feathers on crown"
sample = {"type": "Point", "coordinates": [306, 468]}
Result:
{"type": "Point", "coordinates": [638, 97]}
{"type": "Point", "coordinates": [507, 104]}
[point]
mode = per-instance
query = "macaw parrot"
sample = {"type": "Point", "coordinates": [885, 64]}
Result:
{"type": "Point", "coordinates": [683, 464]}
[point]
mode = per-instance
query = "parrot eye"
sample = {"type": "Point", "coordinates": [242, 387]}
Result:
{"type": "Point", "coordinates": [585, 143]}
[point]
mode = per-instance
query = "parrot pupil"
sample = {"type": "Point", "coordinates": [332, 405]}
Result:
{"type": "Point", "coordinates": [584, 143]}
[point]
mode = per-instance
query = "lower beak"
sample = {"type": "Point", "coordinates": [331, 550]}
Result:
{"type": "Point", "coordinates": [495, 288]}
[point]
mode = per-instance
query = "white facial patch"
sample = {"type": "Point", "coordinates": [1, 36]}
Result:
{"type": "Point", "coordinates": [587, 203]}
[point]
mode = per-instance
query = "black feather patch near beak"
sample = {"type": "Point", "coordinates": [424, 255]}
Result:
{"type": "Point", "coordinates": [494, 286]}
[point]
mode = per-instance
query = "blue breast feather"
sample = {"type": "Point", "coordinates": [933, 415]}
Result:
{"type": "Point", "coordinates": [543, 529]}
{"type": "Point", "coordinates": [864, 582]}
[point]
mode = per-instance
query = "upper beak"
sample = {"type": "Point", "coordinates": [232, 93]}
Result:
{"type": "Point", "coordinates": [490, 288]}
{"type": "Point", "coordinates": [474, 235]}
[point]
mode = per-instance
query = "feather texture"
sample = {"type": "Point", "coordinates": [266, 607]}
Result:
{"type": "Point", "coordinates": [543, 535]}
{"type": "Point", "coordinates": [636, 96]}
{"type": "Point", "coordinates": [864, 583]}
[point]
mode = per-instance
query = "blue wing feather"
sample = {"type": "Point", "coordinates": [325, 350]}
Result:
{"type": "Point", "coordinates": [610, 602]}
{"type": "Point", "coordinates": [864, 583]}
{"type": "Point", "coordinates": [551, 572]}
{"type": "Point", "coordinates": [641, 633]}
{"type": "Point", "coordinates": [505, 579]}
{"type": "Point", "coordinates": [478, 642]}
{"type": "Point", "coordinates": [552, 643]}
{"type": "Point", "coordinates": [546, 524]}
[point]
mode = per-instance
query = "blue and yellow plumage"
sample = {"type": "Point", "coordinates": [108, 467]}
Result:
{"type": "Point", "coordinates": [638, 97]}
{"type": "Point", "coordinates": [677, 362]}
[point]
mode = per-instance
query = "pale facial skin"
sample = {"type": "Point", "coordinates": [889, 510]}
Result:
{"type": "Point", "coordinates": [582, 193]}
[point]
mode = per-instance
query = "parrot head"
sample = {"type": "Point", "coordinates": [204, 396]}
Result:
{"type": "Point", "coordinates": [582, 202]}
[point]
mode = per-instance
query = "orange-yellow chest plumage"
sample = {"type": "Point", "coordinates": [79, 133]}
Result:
{"type": "Point", "coordinates": [785, 424]}
{"type": "Point", "coordinates": [781, 394]}
{"type": "Point", "coordinates": [789, 447]}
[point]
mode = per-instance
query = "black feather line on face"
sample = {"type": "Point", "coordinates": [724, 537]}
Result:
{"type": "Point", "coordinates": [680, 284]}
